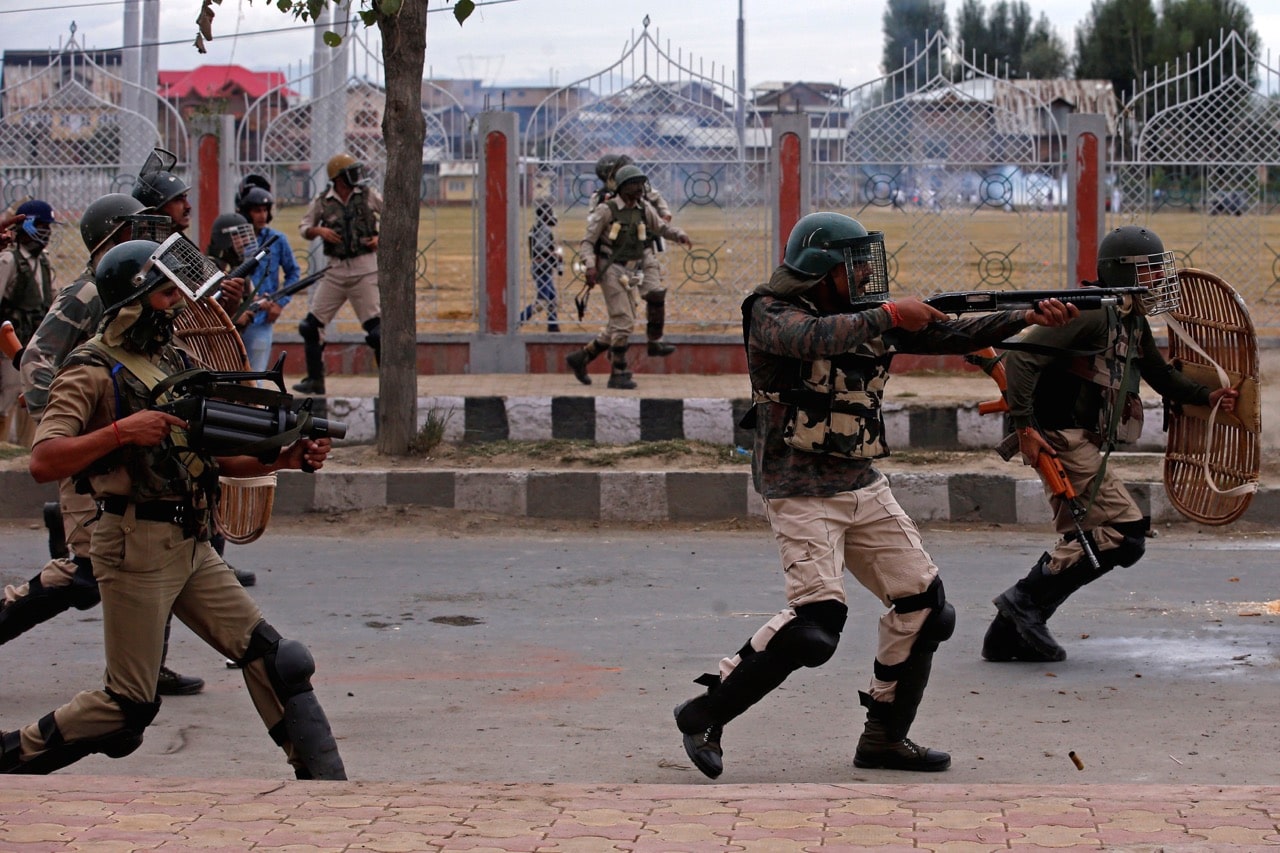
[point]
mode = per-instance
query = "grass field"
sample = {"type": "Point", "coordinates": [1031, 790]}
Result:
{"type": "Point", "coordinates": [930, 253]}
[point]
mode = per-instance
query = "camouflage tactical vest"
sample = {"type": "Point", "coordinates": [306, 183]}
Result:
{"type": "Point", "coordinates": [837, 409]}
{"type": "Point", "coordinates": [1118, 386]}
{"type": "Point", "coordinates": [626, 239]}
{"type": "Point", "coordinates": [353, 221]}
{"type": "Point", "coordinates": [167, 470]}
{"type": "Point", "coordinates": [31, 298]}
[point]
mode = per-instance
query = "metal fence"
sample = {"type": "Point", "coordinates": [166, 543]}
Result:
{"type": "Point", "coordinates": [290, 139]}
{"type": "Point", "coordinates": [960, 166]}
{"type": "Point", "coordinates": [1197, 156]}
{"type": "Point", "coordinates": [73, 130]}
{"type": "Point", "coordinates": [699, 145]}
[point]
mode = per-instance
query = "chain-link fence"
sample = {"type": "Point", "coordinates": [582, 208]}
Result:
{"type": "Point", "coordinates": [1197, 157]}
{"type": "Point", "coordinates": [74, 129]}
{"type": "Point", "coordinates": [960, 167]}
{"type": "Point", "coordinates": [701, 148]}
{"type": "Point", "coordinates": [290, 138]}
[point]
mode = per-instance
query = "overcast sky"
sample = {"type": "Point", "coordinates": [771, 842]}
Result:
{"type": "Point", "coordinates": [548, 41]}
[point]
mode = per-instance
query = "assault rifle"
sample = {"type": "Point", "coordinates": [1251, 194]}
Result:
{"type": "Point", "coordinates": [1049, 466]}
{"type": "Point", "coordinates": [981, 301]}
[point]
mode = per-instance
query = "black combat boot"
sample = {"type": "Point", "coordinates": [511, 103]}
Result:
{"type": "Point", "coordinates": [1030, 602]}
{"type": "Point", "coordinates": [579, 360]}
{"type": "Point", "coordinates": [884, 744]}
{"type": "Point", "coordinates": [620, 377]}
{"type": "Point", "coordinates": [655, 309]}
{"type": "Point", "coordinates": [702, 719]}
{"type": "Point", "coordinates": [1003, 644]}
{"type": "Point", "coordinates": [313, 383]}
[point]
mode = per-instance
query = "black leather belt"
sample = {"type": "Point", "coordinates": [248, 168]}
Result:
{"type": "Point", "coordinates": [170, 512]}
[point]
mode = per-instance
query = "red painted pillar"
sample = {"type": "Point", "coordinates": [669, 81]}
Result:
{"type": "Point", "coordinates": [789, 180]}
{"type": "Point", "coordinates": [208, 178]}
{"type": "Point", "coordinates": [1086, 177]}
{"type": "Point", "coordinates": [789, 156]}
{"type": "Point", "coordinates": [497, 251]}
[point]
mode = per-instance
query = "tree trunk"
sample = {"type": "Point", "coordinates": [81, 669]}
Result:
{"type": "Point", "coordinates": [404, 47]}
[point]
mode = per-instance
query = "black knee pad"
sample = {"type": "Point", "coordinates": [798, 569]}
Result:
{"type": "Point", "coordinates": [812, 637]}
{"type": "Point", "coordinates": [289, 663]}
{"type": "Point", "coordinates": [941, 622]}
{"type": "Point", "coordinates": [310, 329]}
{"type": "Point", "coordinates": [1131, 547]}
{"type": "Point", "coordinates": [656, 297]}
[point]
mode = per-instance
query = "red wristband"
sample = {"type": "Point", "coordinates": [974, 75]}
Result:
{"type": "Point", "coordinates": [894, 318]}
{"type": "Point", "coordinates": [119, 440]}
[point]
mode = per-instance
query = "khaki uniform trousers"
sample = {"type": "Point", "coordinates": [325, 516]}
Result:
{"type": "Point", "coordinates": [618, 284]}
{"type": "Point", "coordinates": [866, 532]}
{"type": "Point", "coordinates": [144, 569]}
{"type": "Point", "coordinates": [1082, 460]}
{"type": "Point", "coordinates": [350, 279]}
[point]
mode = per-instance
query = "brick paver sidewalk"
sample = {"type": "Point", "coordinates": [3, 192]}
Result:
{"type": "Point", "coordinates": [65, 812]}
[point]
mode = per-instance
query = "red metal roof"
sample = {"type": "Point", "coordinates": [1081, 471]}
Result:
{"type": "Point", "coordinates": [216, 81]}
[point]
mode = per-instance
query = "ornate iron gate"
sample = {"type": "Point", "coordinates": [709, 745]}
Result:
{"type": "Point", "coordinates": [66, 137]}
{"type": "Point", "coordinates": [708, 159]}
{"type": "Point", "coordinates": [291, 140]}
{"type": "Point", "coordinates": [1197, 157]}
{"type": "Point", "coordinates": [961, 169]}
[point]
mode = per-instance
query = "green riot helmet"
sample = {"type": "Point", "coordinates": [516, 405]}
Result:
{"type": "Point", "coordinates": [156, 185]}
{"type": "Point", "coordinates": [104, 217]}
{"type": "Point", "coordinates": [820, 241]}
{"type": "Point", "coordinates": [125, 274]}
{"type": "Point", "coordinates": [628, 173]}
{"type": "Point", "coordinates": [1133, 256]}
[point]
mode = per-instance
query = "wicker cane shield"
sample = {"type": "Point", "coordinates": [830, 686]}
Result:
{"type": "Point", "coordinates": [1212, 458]}
{"type": "Point", "coordinates": [244, 503]}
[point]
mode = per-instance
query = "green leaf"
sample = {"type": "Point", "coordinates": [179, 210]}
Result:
{"type": "Point", "coordinates": [463, 9]}
{"type": "Point", "coordinates": [368, 17]}
{"type": "Point", "coordinates": [332, 39]}
{"type": "Point", "coordinates": [284, 5]}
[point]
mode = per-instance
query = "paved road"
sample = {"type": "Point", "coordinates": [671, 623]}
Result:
{"type": "Point", "coordinates": [557, 656]}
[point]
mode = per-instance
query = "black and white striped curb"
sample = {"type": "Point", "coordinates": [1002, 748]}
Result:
{"type": "Point", "coordinates": [640, 496]}
{"type": "Point", "coordinates": [623, 420]}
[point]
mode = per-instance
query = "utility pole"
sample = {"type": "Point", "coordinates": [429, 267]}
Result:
{"type": "Point", "coordinates": [740, 117]}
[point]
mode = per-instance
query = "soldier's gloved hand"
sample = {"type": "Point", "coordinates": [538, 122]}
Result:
{"type": "Point", "coordinates": [590, 275]}
{"type": "Point", "coordinates": [1032, 444]}
{"type": "Point", "coordinates": [914, 315]}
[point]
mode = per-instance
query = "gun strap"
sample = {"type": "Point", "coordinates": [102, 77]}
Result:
{"type": "Point", "coordinates": [1127, 379]}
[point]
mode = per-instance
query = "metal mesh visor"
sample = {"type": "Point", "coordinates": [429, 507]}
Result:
{"type": "Point", "coordinates": [242, 238]}
{"type": "Point", "coordinates": [149, 226]}
{"type": "Point", "coordinates": [182, 262]}
{"type": "Point", "coordinates": [866, 266]}
{"type": "Point", "coordinates": [1159, 274]}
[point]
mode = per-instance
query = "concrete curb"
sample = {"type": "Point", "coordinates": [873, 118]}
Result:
{"type": "Point", "coordinates": [640, 496]}
{"type": "Point", "coordinates": [623, 420]}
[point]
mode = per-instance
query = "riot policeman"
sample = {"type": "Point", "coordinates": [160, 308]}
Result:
{"type": "Point", "coordinates": [820, 337]}
{"type": "Point", "coordinates": [618, 254]}
{"type": "Point", "coordinates": [26, 292]}
{"type": "Point", "coordinates": [1069, 407]}
{"type": "Point", "coordinates": [345, 218]}
{"type": "Point", "coordinates": [150, 546]}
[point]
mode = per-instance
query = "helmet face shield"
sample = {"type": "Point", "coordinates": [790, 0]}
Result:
{"type": "Point", "coordinates": [866, 266]}
{"type": "Point", "coordinates": [1159, 274]}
